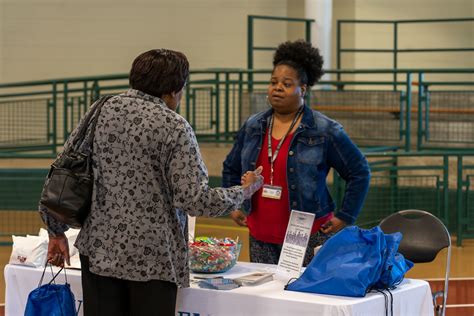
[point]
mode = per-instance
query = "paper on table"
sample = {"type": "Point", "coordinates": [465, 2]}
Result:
{"type": "Point", "coordinates": [253, 279]}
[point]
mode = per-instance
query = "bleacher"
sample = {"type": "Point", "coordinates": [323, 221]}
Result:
{"type": "Point", "coordinates": [416, 126]}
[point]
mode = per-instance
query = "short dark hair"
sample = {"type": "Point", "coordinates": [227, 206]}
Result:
{"type": "Point", "coordinates": [303, 57]}
{"type": "Point", "coordinates": [158, 72]}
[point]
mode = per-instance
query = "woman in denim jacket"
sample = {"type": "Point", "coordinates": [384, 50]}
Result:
{"type": "Point", "coordinates": [305, 145]}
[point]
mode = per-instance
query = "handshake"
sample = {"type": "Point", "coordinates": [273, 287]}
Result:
{"type": "Point", "coordinates": [251, 182]}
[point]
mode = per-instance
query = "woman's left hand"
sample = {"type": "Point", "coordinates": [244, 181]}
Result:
{"type": "Point", "coordinates": [333, 225]}
{"type": "Point", "coordinates": [58, 250]}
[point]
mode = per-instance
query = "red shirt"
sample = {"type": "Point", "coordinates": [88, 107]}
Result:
{"type": "Point", "coordinates": [269, 217]}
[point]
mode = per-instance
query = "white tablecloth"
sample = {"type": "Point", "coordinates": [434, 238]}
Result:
{"type": "Point", "coordinates": [412, 297]}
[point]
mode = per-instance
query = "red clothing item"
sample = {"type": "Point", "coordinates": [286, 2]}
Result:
{"type": "Point", "coordinates": [269, 217]}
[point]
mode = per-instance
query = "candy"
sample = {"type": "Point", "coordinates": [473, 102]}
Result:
{"type": "Point", "coordinates": [212, 255]}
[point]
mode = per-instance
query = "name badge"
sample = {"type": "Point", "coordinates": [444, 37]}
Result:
{"type": "Point", "coordinates": [271, 192]}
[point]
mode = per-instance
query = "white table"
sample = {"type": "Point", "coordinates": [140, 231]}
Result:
{"type": "Point", "coordinates": [412, 297]}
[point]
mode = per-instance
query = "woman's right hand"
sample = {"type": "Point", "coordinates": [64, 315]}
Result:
{"type": "Point", "coordinates": [251, 182]}
{"type": "Point", "coordinates": [239, 217]}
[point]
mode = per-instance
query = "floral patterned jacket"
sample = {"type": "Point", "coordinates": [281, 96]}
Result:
{"type": "Point", "coordinates": [148, 174]}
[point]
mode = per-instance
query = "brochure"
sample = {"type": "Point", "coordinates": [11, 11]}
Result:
{"type": "Point", "coordinates": [255, 278]}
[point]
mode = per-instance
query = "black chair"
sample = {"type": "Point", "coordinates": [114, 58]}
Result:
{"type": "Point", "coordinates": [424, 235]}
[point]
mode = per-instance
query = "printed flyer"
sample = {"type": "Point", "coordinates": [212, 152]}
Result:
{"type": "Point", "coordinates": [296, 241]}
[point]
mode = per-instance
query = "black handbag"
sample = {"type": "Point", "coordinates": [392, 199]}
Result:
{"type": "Point", "coordinates": [67, 192]}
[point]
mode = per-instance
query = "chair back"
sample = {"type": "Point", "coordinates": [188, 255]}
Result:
{"type": "Point", "coordinates": [424, 235]}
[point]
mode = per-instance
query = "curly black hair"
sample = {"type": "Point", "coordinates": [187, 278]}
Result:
{"type": "Point", "coordinates": [303, 57]}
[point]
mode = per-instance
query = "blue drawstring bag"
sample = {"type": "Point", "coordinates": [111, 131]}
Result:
{"type": "Point", "coordinates": [51, 299]}
{"type": "Point", "coordinates": [353, 262]}
{"type": "Point", "coordinates": [394, 266]}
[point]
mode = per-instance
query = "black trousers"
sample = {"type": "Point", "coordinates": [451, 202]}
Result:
{"type": "Point", "coordinates": [105, 296]}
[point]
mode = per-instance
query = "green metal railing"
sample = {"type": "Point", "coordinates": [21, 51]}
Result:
{"type": "Point", "coordinates": [37, 117]}
{"type": "Point", "coordinates": [445, 118]}
{"type": "Point", "coordinates": [251, 48]}
{"type": "Point", "coordinates": [465, 199]}
{"type": "Point", "coordinates": [419, 180]}
{"type": "Point", "coordinates": [385, 117]}
{"type": "Point", "coordinates": [396, 50]}
{"type": "Point", "coordinates": [439, 182]}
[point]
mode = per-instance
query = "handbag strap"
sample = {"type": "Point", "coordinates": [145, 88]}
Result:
{"type": "Point", "coordinates": [91, 118]}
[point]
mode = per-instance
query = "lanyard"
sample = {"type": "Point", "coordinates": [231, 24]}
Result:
{"type": "Point", "coordinates": [272, 156]}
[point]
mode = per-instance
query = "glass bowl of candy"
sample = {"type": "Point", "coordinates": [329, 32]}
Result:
{"type": "Point", "coordinates": [213, 255]}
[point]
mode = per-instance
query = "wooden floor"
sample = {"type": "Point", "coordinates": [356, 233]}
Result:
{"type": "Point", "coordinates": [460, 294]}
{"type": "Point", "coordinates": [461, 285]}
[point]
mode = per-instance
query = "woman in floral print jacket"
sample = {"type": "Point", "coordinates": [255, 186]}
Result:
{"type": "Point", "coordinates": [148, 175]}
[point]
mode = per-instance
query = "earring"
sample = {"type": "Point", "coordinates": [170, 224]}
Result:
{"type": "Point", "coordinates": [267, 102]}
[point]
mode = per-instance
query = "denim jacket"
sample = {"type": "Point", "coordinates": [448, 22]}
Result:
{"type": "Point", "coordinates": [318, 144]}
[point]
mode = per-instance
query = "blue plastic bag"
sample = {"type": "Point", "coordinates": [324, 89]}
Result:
{"type": "Point", "coordinates": [352, 262]}
{"type": "Point", "coordinates": [51, 300]}
{"type": "Point", "coordinates": [394, 266]}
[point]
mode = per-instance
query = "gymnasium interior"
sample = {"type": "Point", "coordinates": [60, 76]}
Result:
{"type": "Point", "coordinates": [399, 76]}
